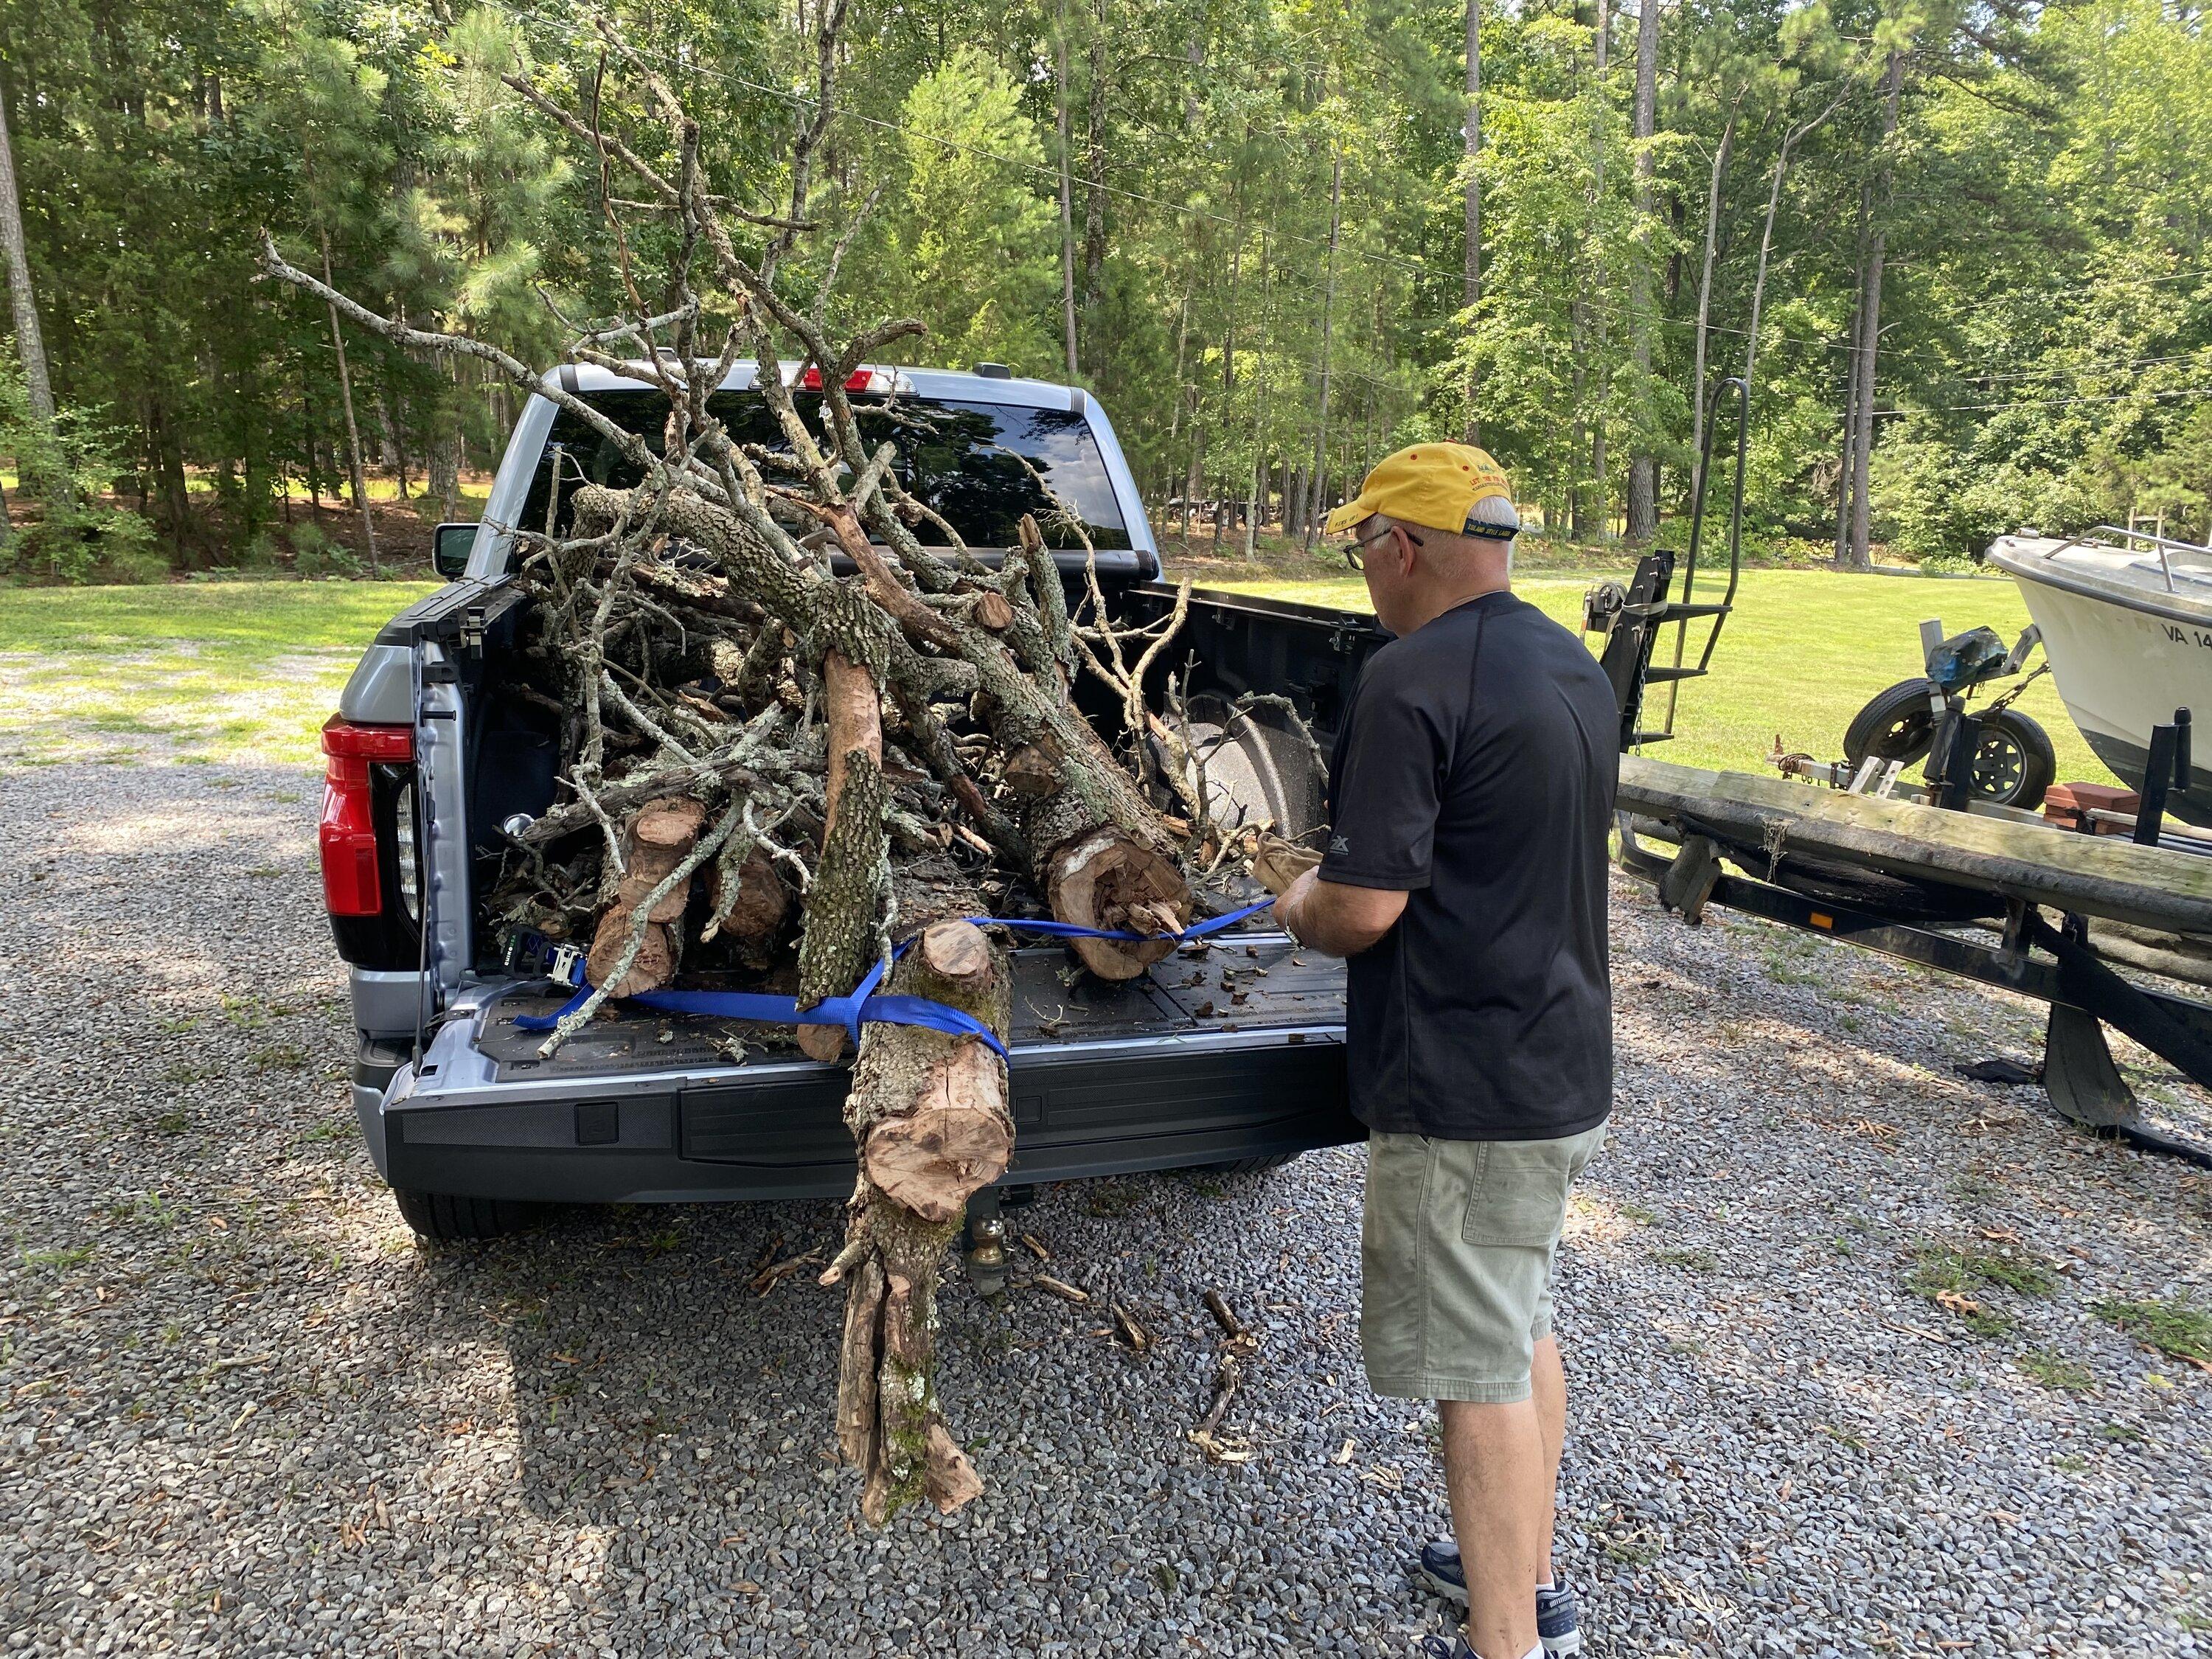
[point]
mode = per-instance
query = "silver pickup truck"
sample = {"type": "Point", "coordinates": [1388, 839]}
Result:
{"type": "Point", "coordinates": [1204, 1062]}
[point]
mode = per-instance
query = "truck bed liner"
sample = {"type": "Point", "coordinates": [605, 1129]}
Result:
{"type": "Point", "coordinates": [1241, 981]}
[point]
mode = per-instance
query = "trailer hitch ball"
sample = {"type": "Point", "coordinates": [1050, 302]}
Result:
{"type": "Point", "coordinates": [983, 1254]}
{"type": "Point", "coordinates": [988, 1242]}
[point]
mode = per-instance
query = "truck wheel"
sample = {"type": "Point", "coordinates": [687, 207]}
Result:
{"type": "Point", "coordinates": [1896, 724]}
{"type": "Point", "coordinates": [2014, 762]}
{"type": "Point", "coordinates": [1252, 1165]}
{"type": "Point", "coordinates": [444, 1219]}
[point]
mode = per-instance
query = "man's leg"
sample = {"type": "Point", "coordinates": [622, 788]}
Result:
{"type": "Point", "coordinates": [1498, 1471]}
{"type": "Point", "coordinates": [1547, 1382]}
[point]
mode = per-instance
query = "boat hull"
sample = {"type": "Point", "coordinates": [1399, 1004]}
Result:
{"type": "Point", "coordinates": [2123, 665]}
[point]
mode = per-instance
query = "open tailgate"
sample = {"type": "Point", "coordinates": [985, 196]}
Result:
{"type": "Point", "coordinates": [1227, 1051]}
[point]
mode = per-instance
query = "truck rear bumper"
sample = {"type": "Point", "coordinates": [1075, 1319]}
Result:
{"type": "Point", "coordinates": [777, 1130]}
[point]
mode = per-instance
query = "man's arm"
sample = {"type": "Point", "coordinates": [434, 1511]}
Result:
{"type": "Point", "coordinates": [1337, 919]}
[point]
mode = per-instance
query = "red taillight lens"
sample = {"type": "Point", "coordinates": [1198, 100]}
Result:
{"type": "Point", "coordinates": [860, 379]}
{"type": "Point", "coordinates": [352, 885]}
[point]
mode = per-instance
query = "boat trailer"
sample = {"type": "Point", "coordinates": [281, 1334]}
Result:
{"type": "Point", "coordinates": [2019, 906]}
{"type": "Point", "coordinates": [1954, 883]}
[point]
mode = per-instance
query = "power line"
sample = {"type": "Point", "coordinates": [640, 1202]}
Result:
{"type": "Point", "coordinates": [2052, 403]}
{"type": "Point", "coordinates": [2108, 366]}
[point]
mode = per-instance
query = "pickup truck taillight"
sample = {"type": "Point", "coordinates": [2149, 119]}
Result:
{"type": "Point", "coordinates": [352, 877]}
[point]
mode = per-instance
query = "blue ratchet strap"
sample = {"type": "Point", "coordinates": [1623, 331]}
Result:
{"type": "Point", "coordinates": [1071, 930]}
{"type": "Point", "coordinates": [765, 1008]}
{"type": "Point", "coordinates": [862, 1007]}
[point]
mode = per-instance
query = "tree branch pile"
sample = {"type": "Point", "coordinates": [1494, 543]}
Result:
{"type": "Point", "coordinates": [775, 763]}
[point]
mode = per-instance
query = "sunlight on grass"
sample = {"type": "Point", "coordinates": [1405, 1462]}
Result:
{"type": "Point", "coordinates": [1804, 651]}
{"type": "Point", "coordinates": [233, 670]}
{"type": "Point", "coordinates": [236, 671]}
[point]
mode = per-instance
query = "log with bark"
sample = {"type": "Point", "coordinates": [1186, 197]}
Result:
{"type": "Point", "coordinates": [772, 773]}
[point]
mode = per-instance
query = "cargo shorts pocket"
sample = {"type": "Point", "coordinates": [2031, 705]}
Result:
{"type": "Point", "coordinates": [1519, 1195]}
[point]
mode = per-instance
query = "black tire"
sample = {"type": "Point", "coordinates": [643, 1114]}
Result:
{"type": "Point", "coordinates": [2014, 764]}
{"type": "Point", "coordinates": [1252, 1165]}
{"type": "Point", "coordinates": [1897, 725]}
{"type": "Point", "coordinates": [442, 1219]}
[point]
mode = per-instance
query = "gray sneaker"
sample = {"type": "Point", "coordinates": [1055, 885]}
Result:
{"type": "Point", "coordinates": [1558, 1620]}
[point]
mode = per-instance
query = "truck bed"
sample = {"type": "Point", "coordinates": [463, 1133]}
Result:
{"type": "Point", "coordinates": [1254, 983]}
{"type": "Point", "coordinates": [1228, 1050]}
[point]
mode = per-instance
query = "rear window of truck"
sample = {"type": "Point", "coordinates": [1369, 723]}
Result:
{"type": "Point", "coordinates": [952, 457]}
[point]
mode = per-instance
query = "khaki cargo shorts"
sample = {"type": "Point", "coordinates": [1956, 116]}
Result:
{"type": "Point", "coordinates": [1456, 1245]}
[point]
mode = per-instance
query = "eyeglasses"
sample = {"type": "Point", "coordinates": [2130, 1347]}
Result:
{"type": "Point", "coordinates": [1355, 552]}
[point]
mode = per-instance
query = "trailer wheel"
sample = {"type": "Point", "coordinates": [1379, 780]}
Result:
{"type": "Point", "coordinates": [1897, 725]}
{"type": "Point", "coordinates": [441, 1219]}
{"type": "Point", "coordinates": [2015, 763]}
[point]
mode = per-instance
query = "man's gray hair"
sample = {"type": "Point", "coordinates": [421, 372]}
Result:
{"type": "Point", "coordinates": [1493, 516]}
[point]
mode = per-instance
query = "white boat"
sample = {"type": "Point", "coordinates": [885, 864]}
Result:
{"type": "Point", "coordinates": [2127, 628]}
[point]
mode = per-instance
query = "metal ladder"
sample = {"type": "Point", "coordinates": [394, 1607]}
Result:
{"type": "Point", "coordinates": [1632, 619]}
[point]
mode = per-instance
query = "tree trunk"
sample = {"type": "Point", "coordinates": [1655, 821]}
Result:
{"type": "Point", "coordinates": [1471, 279]}
{"type": "Point", "coordinates": [1599, 510]}
{"type": "Point", "coordinates": [1578, 518]}
{"type": "Point", "coordinates": [1790, 141]}
{"type": "Point", "coordinates": [1181, 388]}
{"type": "Point", "coordinates": [1643, 466]}
{"type": "Point", "coordinates": [1194, 480]}
{"type": "Point", "coordinates": [311, 443]}
{"type": "Point", "coordinates": [1236, 275]}
{"type": "Point", "coordinates": [352, 427]}
{"type": "Point", "coordinates": [169, 472]}
{"type": "Point", "coordinates": [445, 478]}
{"type": "Point", "coordinates": [30, 343]}
{"type": "Point", "coordinates": [1260, 399]}
{"type": "Point", "coordinates": [1705, 292]}
{"type": "Point", "coordinates": [1066, 192]}
{"type": "Point", "coordinates": [1848, 445]}
{"type": "Point", "coordinates": [1860, 551]}
{"type": "Point", "coordinates": [1094, 167]}
{"type": "Point", "coordinates": [1328, 323]}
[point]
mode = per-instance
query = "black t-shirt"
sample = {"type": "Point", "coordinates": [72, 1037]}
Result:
{"type": "Point", "coordinates": [1474, 772]}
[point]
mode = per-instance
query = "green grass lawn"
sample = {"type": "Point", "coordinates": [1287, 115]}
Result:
{"type": "Point", "coordinates": [229, 671]}
{"type": "Point", "coordinates": [1804, 651]}
{"type": "Point", "coordinates": [249, 670]}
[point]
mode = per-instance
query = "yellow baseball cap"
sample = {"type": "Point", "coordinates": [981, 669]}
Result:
{"type": "Point", "coordinates": [1434, 485]}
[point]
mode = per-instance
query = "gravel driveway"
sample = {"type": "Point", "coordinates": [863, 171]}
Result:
{"type": "Point", "coordinates": [1831, 1311]}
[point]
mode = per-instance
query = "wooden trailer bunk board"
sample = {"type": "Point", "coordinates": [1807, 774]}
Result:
{"type": "Point", "coordinates": [2007, 900]}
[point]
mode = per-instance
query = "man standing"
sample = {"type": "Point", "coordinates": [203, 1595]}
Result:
{"type": "Point", "coordinates": [1470, 795]}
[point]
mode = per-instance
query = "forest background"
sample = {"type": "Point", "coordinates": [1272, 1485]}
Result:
{"type": "Point", "coordinates": [1958, 251]}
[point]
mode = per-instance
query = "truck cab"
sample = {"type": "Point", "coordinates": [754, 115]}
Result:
{"type": "Point", "coordinates": [1227, 1054]}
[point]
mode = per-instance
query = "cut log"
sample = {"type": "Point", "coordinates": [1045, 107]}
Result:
{"type": "Point", "coordinates": [1106, 879]}
{"type": "Point", "coordinates": [651, 968]}
{"type": "Point", "coordinates": [929, 1112]}
{"type": "Point", "coordinates": [750, 906]}
{"type": "Point", "coordinates": [661, 833]}
{"type": "Point", "coordinates": [656, 839]}
{"type": "Point", "coordinates": [957, 1139]}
